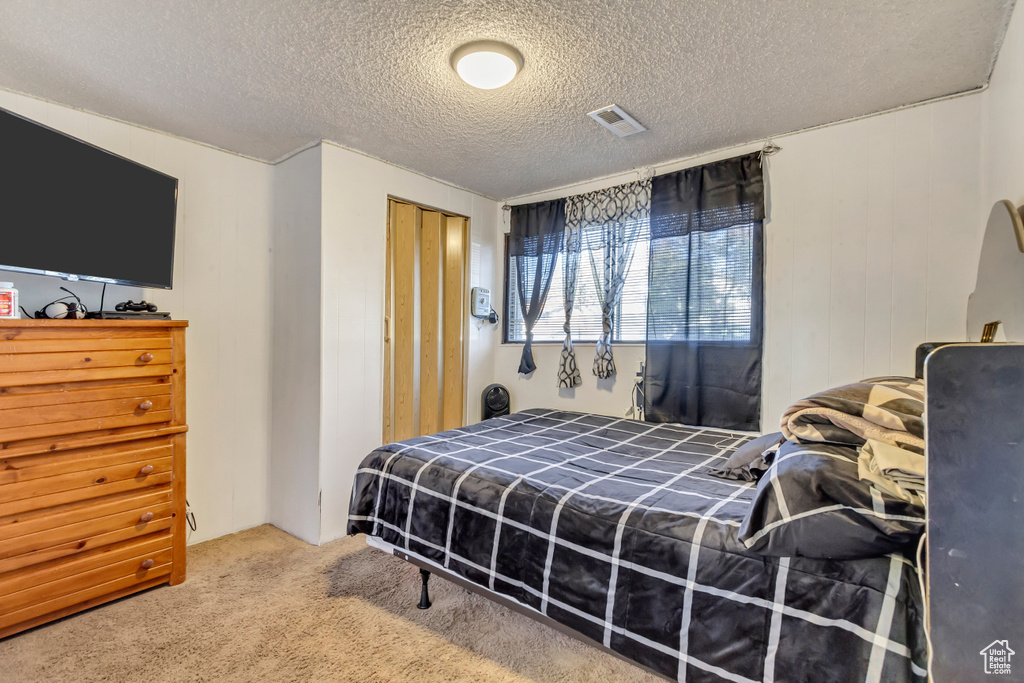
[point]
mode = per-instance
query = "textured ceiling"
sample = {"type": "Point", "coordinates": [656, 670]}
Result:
{"type": "Point", "coordinates": [263, 78]}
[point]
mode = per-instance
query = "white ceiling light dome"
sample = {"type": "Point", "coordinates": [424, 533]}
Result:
{"type": "Point", "coordinates": [487, 64]}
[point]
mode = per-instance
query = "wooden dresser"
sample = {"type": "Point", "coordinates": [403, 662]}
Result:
{"type": "Point", "coordinates": [92, 464]}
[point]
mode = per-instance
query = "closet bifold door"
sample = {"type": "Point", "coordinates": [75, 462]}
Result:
{"type": "Point", "coordinates": [423, 326]}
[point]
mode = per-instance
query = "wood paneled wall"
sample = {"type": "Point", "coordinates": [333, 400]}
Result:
{"type": "Point", "coordinates": [872, 247]}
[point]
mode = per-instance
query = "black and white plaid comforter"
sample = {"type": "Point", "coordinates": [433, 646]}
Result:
{"type": "Point", "coordinates": [613, 527]}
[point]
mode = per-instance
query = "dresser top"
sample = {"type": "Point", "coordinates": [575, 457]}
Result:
{"type": "Point", "coordinates": [31, 322]}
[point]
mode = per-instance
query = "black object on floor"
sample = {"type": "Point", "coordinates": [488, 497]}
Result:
{"type": "Point", "coordinates": [496, 401]}
{"type": "Point", "coordinates": [424, 595]}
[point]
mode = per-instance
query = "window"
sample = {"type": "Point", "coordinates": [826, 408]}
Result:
{"type": "Point", "coordinates": [630, 316]}
{"type": "Point", "coordinates": [717, 264]}
{"type": "Point", "coordinates": [717, 267]}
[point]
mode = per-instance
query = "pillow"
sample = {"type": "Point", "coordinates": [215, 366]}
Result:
{"type": "Point", "coordinates": [750, 460]}
{"type": "Point", "coordinates": [885, 409]}
{"type": "Point", "coordinates": [812, 503]}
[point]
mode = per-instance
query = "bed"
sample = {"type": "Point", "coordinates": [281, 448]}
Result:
{"type": "Point", "coordinates": [614, 530]}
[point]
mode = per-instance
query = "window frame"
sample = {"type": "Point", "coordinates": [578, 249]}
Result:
{"type": "Point", "coordinates": [506, 294]}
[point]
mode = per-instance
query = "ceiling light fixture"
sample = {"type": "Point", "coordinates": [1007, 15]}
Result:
{"type": "Point", "coordinates": [487, 64]}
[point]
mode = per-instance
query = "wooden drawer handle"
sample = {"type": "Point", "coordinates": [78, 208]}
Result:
{"type": "Point", "coordinates": [148, 469]}
{"type": "Point", "coordinates": [147, 564]}
{"type": "Point", "coordinates": [145, 405]}
{"type": "Point", "coordinates": [148, 517]}
{"type": "Point", "coordinates": [146, 357]}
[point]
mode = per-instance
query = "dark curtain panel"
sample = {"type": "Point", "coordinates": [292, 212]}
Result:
{"type": "Point", "coordinates": [535, 238]}
{"type": "Point", "coordinates": [705, 306]}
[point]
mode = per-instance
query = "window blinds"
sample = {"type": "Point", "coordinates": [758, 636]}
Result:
{"type": "Point", "coordinates": [704, 286]}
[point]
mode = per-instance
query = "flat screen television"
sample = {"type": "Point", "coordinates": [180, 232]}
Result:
{"type": "Point", "coordinates": [71, 209]}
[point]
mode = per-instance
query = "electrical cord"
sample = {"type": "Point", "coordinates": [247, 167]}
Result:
{"type": "Point", "coordinates": [190, 516]}
{"type": "Point", "coordinates": [639, 398]}
{"type": "Point", "coordinates": [924, 596]}
{"type": "Point", "coordinates": [71, 309]}
{"type": "Point", "coordinates": [190, 519]}
{"type": "Point", "coordinates": [491, 317]}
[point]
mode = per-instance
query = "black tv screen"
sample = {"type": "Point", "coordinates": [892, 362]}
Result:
{"type": "Point", "coordinates": [73, 210]}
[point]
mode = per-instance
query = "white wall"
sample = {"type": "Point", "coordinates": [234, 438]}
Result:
{"type": "Point", "coordinates": [872, 248]}
{"type": "Point", "coordinates": [1003, 134]}
{"type": "Point", "coordinates": [222, 256]}
{"type": "Point", "coordinates": [294, 483]}
{"type": "Point", "coordinates": [611, 396]}
{"type": "Point", "coordinates": [355, 194]}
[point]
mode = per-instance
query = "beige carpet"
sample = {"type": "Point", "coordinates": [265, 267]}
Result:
{"type": "Point", "coordinates": [263, 606]}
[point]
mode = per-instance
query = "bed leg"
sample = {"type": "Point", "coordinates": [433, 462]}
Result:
{"type": "Point", "coordinates": [424, 595]}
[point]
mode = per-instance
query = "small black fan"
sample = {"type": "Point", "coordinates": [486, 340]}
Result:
{"type": "Point", "coordinates": [496, 401]}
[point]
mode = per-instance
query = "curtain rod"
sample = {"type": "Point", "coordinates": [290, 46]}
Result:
{"type": "Point", "coordinates": [768, 149]}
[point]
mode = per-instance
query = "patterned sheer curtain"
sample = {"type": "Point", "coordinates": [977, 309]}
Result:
{"type": "Point", "coordinates": [568, 370]}
{"type": "Point", "coordinates": [621, 216]}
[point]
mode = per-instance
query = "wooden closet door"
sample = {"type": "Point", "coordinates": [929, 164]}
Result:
{"type": "Point", "coordinates": [403, 245]}
{"type": "Point", "coordinates": [454, 296]}
{"type": "Point", "coordinates": [430, 321]}
{"type": "Point", "coordinates": [424, 318]}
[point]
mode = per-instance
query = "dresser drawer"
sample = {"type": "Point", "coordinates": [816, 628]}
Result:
{"type": "Point", "coordinates": [36, 521]}
{"type": "Point", "coordinates": [68, 417]}
{"type": "Point", "coordinates": [138, 518]}
{"type": "Point", "coordinates": [53, 596]}
{"type": "Point", "coordinates": [34, 494]}
{"type": "Point", "coordinates": [63, 343]}
{"type": "Point", "coordinates": [54, 463]}
{"type": "Point", "coordinates": [46, 579]}
{"type": "Point", "coordinates": [53, 570]}
{"type": "Point", "coordinates": [23, 363]}
{"type": "Point", "coordinates": [81, 392]}
{"type": "Point", "coordinates": [79, 547]}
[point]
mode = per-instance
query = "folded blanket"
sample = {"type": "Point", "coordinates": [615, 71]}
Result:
{"type": "Point", "coordinates": [885, 409]}
{"type": "Point", "coordinates": [896, 471]}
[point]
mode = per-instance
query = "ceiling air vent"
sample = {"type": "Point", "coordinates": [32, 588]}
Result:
{"type": "Point", "coordinates": [617, 121]}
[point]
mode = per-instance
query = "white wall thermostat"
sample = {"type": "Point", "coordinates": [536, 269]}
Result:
{"type": "Point", "coordinates": [481, 302]}
{"type": "Point", "coordinates": [481, 307]}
